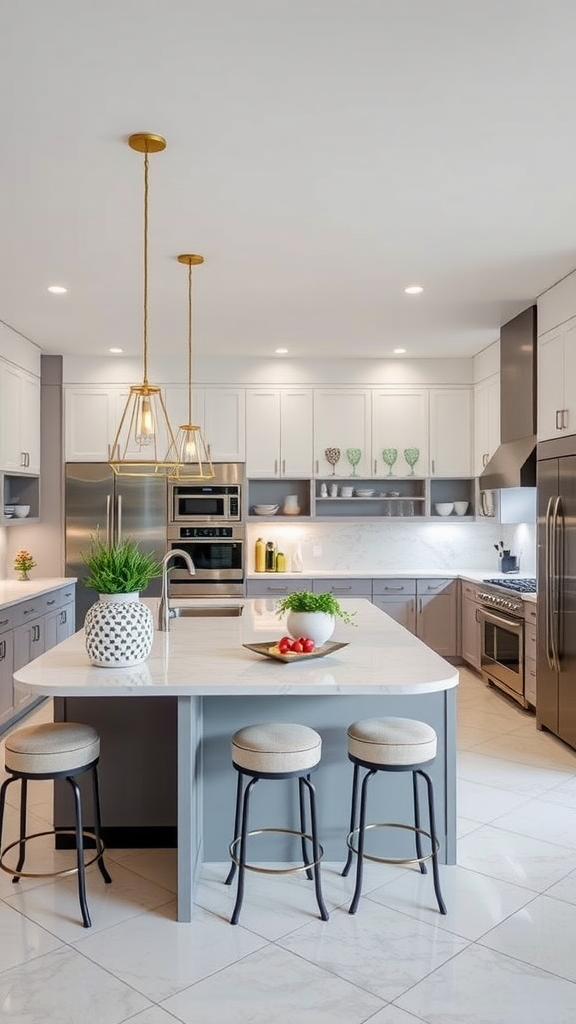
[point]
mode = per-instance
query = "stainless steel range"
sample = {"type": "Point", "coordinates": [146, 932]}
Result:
{"type": "Point", "coordinates": [501, 616]}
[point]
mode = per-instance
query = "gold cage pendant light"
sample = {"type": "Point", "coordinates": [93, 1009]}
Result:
{"type": "Point", "coordinates": [144, 433]}
{"type": "Point", "coordinates": [190, 452]}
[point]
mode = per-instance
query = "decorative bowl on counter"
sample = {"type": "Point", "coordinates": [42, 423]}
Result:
{"type": "Point", "coordinates": [266, 510]}
{"type": "Point", "coordinates": [444, 508]}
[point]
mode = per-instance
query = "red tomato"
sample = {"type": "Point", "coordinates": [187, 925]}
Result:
{"type": "Point", "coordinates": [309, 646]}
{"type": "Point", "coordinates": [285, 640]}
{"type": "Point", "coordinates": [285, 645]}
{"type": "Point", "coordinates": [297, 647]}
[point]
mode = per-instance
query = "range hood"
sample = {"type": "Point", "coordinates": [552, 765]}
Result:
{"type": "Point", "coordinates": [514, 461]}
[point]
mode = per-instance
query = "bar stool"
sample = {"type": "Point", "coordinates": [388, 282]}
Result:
{"type": "Point", "coordinates": [391, 745]}
{"type": "Point", "coordinates": [55, 751]}
{"type": "Point", "coordinates": [275, 750]}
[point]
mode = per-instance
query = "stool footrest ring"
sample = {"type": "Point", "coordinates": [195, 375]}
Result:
{"type": "Point", "coordinates": [50, 874]}
{"type": "Point", "coordinates": [275, 871]}
{"type": "Point", "coordinates": [392, 860]}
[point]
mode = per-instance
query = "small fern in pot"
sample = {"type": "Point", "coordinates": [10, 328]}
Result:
{"type": "Point", "coordinates": [312, 615]}
{"type": "Point", "coordinates": [119, 569]}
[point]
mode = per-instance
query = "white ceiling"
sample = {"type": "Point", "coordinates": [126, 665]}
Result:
{"type": "Point", "coordinates": [322, 155]}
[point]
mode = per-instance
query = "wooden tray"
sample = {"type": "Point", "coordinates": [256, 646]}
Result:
{"type": "Point", "coordinates": [266, 649]}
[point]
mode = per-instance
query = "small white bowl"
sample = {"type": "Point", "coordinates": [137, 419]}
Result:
{"type": "Point", "coordinates": [461, 507]}
{"type": "Point", "coordinates": [346, 492]}
{"type": "Point", "coordinates": [364, 494]}
{"type": "Point", "coordinates": [21, 511]}
{"type": "Point", "coordinates": [444, 508]}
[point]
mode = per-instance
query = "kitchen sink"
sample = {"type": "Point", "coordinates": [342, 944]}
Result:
{"type": "Point", "coordinates": [204, 610]}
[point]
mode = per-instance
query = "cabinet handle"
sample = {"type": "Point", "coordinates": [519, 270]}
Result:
{"type": "Point", "coordinates": [62, 617]}
{"type": "Point", "coordinates": [564, 418]}
{"type": "Point", "coordinates": [50, 602]}
{"type": "Point", "coordinates": [35, 633]}
{"type": "Point", "coordinates": [4, 622]}
{"type": "Point", "coordinates": [420, 607]}
{"type": "Point", "coordinates": [485, 459]}
{"type": "Point", "coordinates": [283, 466]}
{"type": "Point", "coordinates": [2, 650]}
{"type": "Point", "coordinates": [340, 590]}
{"type": "Point", "coordinates": [22, 459]}
{"type": "Point", "coordinates": [317, 467]}
{"type": "Point", "coordinates": [558, 419]}
{"type": "Point", "coordinates": [277, 590]}
{"type": "Point", "coordinates": [29, 611]}
{"type": "Point", "coordinates": [396, 589]}
{"type": "Point", "coordinates": [375, 466]}
{"type": "Point", "coordinates": [432, 465]}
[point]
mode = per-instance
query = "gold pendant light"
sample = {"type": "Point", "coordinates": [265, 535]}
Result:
{"type": "Point", "coordinates": [144, 433]}
{"type": "Point", "coordinates": [190, 452]}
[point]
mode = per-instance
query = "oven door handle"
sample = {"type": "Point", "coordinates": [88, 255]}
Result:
{"type": "Point", "coordinates": [512, 625]}
{"type": "Point", "coordinates": [557, 535]}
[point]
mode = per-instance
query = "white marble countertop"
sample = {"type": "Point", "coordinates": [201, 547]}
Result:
{"type": "Point", "coordinates": [204, 656]}
{"type": "Point", "coordinates": [15, 591]}
{"type": "Point", "coordinates": [475, 575]}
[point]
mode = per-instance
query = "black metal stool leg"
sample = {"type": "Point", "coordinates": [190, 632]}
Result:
{"type": "Point", "coordinates": [361, 832]}
{"type": "Point", "coordinates": [98, 826]}
{"type": "Point", "coordinates": [80, 852]}
{"type": "Point", "coordinates": [236, 832]}
{"type": "Point", "coordinates": [3, 791]}
{"type": "Point", "coordinates": [315, 847]}
{"type": "Point", "coordinates": [433, 839]}
{"type": "Point", "coordinates": [301, 784]}
{"type": "Point", "coordinates": [242, 857]}
{"type": "Point", "coordinates": [353, 806]}
{"type": "Point", "coordinates": [23, 810]}
{"type": "Point", "coordinates": [417, 834]}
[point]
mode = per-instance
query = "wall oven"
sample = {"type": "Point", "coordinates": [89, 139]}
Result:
{"type": "Point", "coordinates": [501, 617]}
{"type": "Point", "coordinates": [218, 556]}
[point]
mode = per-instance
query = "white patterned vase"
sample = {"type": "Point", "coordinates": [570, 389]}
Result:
{"type": "Point", "coordinates": [317, 626]}
{"type": "Point", "coordinates": [119, 629]}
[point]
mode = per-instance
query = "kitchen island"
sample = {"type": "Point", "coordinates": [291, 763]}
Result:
{"type": "Point", "coordinates": [216, 686]}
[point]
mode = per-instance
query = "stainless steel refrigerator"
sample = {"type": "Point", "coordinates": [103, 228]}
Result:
{"type": "Point", "coordinates": [556, 671]}
{"type": "Point", "coordinates": [98, 503]}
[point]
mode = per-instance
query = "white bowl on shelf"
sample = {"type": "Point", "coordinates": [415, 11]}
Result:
{"type": "Point", "coordinates": [444, 508]}
{"type": "Point", "coordinates": [266, 510]}
{"type": "Point", "coordinates": [21, 511]}
{"type": "Point", "coordinates": [461, 507]}
{"type": "Point", "coordinates": [361, 493]}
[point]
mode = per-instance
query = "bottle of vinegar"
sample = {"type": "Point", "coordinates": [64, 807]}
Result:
{"type": "Point", "coordinates": [259, 556]}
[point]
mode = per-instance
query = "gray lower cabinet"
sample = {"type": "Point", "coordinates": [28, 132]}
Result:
{"type": "Point", "coordinates": [530, 659]}
{"type": "Point", "coordinates": [471, 629]}
{"type": "Point", "coordinates": [397, 597]}
{"type": "Point", "coordinates": [276, 588]}
{"type": "Point", "coordinates": [436, 615]}
{"type": "Point", "coordinates": [27, 629]}
{"type": "Point", "coordinates": [342, 588]}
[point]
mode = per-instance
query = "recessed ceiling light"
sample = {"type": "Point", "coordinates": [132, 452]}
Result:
{"type": "Point", "coordinates": [281, 351]}
{"type": "Point", "coordinates": [57, 289]}
{"type": "Point", "coordinates": [116, 351]}
{"type": "Point", "coordinates": [414, 289]}
{"type": "Point", "coordinates": [399, 351]}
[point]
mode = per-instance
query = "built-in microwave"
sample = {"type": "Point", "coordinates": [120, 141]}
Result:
{"type": "Point", "coordinates": [204, 503]}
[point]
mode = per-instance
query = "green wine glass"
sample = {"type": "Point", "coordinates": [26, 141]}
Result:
{"type": "Point", "coordinates": [354, 455]}
{"type": "Point", "coordinates": [411, 455]}
{"type": "Point", "coordinates": [389, 456]}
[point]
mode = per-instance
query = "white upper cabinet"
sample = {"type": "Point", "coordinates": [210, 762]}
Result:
{"type": "Point", "coordinates": [556, 376]}
{"type": "Point", "coordinates": [224, 423]}
{"type": "Point", "coordinates": [342, 419]}
{"type": "Point", "coordinates": [399, 421]}
{"type": "Point", "coordinates": [486, 421]}
{"type": "Point", "coordinates": [19, 420]}
{"type": "Point", "coordinates": [279, 431]}
{"type": "Point", "coordinates": [451, 432]}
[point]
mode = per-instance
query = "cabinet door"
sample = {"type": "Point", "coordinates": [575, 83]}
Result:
{"type": "Point", "coordinates": [402, 609]}
{"type": "Point", "coordinates": [30, 422]}
{"type": "Point", "coordinates": [89, 424]}
{"type": "Point", "coordinates": [19, 420]}
{"type": "Point", "coordinates": [29, 642]}
{"type": "Point", "coordinates": [263, 433]}
{"type": "Point", "coordinates": [400, 420]}
{"type": "Point", "coordinates": [65, 623]}
{"type": "Point", "coordinates": [486, 421]}
{"type": "Point", "coordinates": [451, 432]}
{"type": "Point", "coordinates": [224, 423]}
{"type": "Point", "coordinates": [569, 399]}
{"type": "Point", "coordinates": [436, 615]}
{"type": "Point", "coordinates": [342, 419]}
{"type": "Point", "coordinates": [471, 633]}
{"type": "Point", "coordinates": [6, 672]}
{"type": "Point", "coordinates": [296, 433]}
{"type": "Point", "coordinates": [550, 384]}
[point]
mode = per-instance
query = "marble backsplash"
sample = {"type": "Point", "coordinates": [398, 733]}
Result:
{"type": "Point", "coordinates": [402, 546]}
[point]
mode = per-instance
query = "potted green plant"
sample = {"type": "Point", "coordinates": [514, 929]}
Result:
{"type": "Point", "coordinates": [119, 627]}
{"type": "Point", "coordinates": [312, 615]}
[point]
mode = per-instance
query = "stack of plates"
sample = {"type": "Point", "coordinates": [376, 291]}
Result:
{"type": "Point", "coordinates": [363, 494]}
{"type": "Point", "coordinates": [266, 510]}
{"type": "Point", "coordinates": [9, 511]}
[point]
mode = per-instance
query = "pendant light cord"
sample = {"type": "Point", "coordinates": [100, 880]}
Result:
{"type": "Point", "coordinates": [145, 321]}
{"type": "Point", "coordinates": [190, 343]}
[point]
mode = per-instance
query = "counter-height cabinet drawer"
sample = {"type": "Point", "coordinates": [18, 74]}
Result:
{"type": "Point", "coordinates": [6, 619]}
{"type": "Point", "coordinates": [343, 587]}
{"type": "Point", "coordinates": [27, 611]}
{"type": "Point", "coordinates": [277, 587]}
{"type": "Point", "coordinates": [393, 587]}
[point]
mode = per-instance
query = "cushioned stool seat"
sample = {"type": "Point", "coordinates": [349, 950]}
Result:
{"type": "Point", "coordinates": [275, 750]}
{"type": "Point", "coordinates": [391, 745]}
{"type": "Point", "coordinates": [53, 751]}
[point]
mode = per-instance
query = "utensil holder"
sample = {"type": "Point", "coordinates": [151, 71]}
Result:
{"type": "Point", "coordinates": [509, 563]}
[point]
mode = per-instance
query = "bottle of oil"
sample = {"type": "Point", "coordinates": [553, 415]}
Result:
{"type": "Point", "coordinates": [280, 562]}
{"type": "Point", "coordinates": [270, 562]}
{"type": "Point", "coordinates": [259, 556]}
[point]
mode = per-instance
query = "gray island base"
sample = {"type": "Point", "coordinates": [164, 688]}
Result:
{"type": "Point", "coordinates": [165, 760]}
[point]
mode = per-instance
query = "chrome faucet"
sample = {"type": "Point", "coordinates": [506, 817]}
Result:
{"type": "Point", "coordinates": [164, 613]}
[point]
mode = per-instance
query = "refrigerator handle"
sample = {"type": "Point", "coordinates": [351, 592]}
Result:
{"type": "Point", "coordinates": [548, 588]}
{"type": "Point", "coordinates": [118, 518]}
{"type": "Point", "coordinates": [108, 520]}
{"type": "Point", "coordinates": [558, 547]}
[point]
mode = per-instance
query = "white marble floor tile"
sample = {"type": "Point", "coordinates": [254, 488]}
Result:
{"type": "Point", "coordinates": [274, 985]}
{"type": "Point", "coordinates": [564, 794]}
{"type": "Point", "coordinates": [531, 780]}
{"type": "Point", "coordinates": [159, 956]}
{"type": "Point", "coordinates": [21, 940]}
{"type": "Point", "coordinates": [484, 803]}
{"type": "Point", "coordinates": [542, 934]}
{"type": "Point", "coordinates": [55, 906]}
{"type": "Point", "coordinates": [531, 863]}
{"type": "Point", "coordinates": [475, 902]}
{"type": "Point", "coordinates": [156, 1015]}
{"type": "Point", "coordinates": [565, 889]}
{"type": "Point", "coordinates": [535, 748]}
{"type": "Point", "coordinates": [465, 825]}
{"type": "Point", "coordinates": [377, 949]}
{"type": "Point", "coordinates": [159, 866]}
{"type": "Point", "coordinates": [65, 987]}
{"type": "Point", "coordinates": [542, 820]}
{"type": "Point", "coordinates": [481, 986]}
